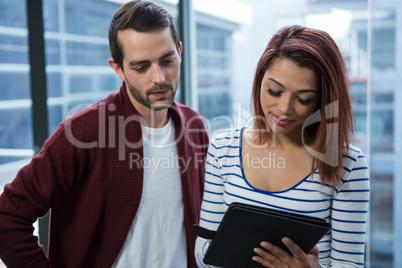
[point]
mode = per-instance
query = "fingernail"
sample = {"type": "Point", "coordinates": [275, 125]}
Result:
{"type": "Point", "coordinates": [257, 250]}
{"type": "Point", "coordinates": [264, 244]}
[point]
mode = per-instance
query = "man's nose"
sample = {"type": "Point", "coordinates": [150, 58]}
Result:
{"type": "Point", "coordinates": [157, 75]}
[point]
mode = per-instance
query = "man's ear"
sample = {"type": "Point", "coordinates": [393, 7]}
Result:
{"type": "Point", "coordinates": [117, 69]}
{"type": "Point", "coordinates": [180, 48]}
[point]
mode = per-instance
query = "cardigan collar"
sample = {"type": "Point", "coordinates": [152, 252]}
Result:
{"type": "Point", "coordinates": [125, 182]}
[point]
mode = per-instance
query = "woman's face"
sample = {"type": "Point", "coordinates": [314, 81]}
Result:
{"type": "Point", "coordinates": [289, 95]}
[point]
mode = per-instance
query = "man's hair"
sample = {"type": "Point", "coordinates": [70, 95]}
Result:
{"type": "Point", "coordinates": [141, 16]}
{"type": "Point", "coordinates": [316, 50]}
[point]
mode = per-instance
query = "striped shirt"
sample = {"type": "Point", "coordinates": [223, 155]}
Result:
{"type": "Point", "coordinates": [345, 207]}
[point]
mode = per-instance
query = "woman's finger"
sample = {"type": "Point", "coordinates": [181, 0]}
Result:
{"type": "Point", "coordinates": [297, 252]}
{"type": "Point", "coordinates": [278, 252]}
{"type": "Point", "coordinates": [271, 255]}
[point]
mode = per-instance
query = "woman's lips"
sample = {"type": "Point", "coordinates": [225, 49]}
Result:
{"type": "Point", "coordinates": [281, 121]}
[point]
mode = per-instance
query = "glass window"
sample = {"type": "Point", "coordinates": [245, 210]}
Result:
{"type": "Point", "coordinates": [381, 220]}
{"type": "Point", "coordinates": [214, 54]}
{"type": "Point", "coordinates": [13, 14]}
{"type": "Point", "coordinates": [16, 143]}
{"type": "Point", "coordinates": [382, 129]}
{"type": "Point", "coordinates": [77, 53]}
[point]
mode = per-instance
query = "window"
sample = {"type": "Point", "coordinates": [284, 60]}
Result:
{"type": "Point", "coordinates": [77, 51]}
{"type": "Point", "coordinates": [16, 146]}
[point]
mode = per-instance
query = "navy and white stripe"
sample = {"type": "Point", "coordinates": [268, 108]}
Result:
{"type": "Point", "coordinates": [345, 208]}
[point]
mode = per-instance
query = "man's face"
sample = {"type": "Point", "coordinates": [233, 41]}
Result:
{"type": "Point", "coordinates": [151, 68]}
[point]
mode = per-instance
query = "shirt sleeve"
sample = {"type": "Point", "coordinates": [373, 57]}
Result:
{"type": "Point", "coordinates": [349, 214]}
{"type": "Point", "coordinates": [37, 187]}
{"type": "Point", "coordinates": [212, 207]}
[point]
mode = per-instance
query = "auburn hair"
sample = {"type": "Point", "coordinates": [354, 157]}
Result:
{"type": "Point", "coordinates": [330, 134]}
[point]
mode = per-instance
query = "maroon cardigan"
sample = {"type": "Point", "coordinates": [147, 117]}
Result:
{"type": "Point", "coordinates": [87, 176]}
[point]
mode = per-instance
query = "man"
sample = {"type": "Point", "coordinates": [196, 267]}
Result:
{"type": "Point", "coordinates": [124, 177]}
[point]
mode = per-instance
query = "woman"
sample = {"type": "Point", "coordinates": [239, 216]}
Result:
{"type": "Point", "coordinates": [297, 155]}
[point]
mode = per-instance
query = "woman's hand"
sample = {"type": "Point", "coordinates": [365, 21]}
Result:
{"type": "Point", "coordinates": [270, 255]}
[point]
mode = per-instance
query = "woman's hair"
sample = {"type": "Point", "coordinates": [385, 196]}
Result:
{"type": "Point", "coordinates": [141, 16]}
{"type": "Point", "coordinates": [330, 135]}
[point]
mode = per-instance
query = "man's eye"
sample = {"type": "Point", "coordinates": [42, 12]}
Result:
{"type": "Point", "coordinates": [139, 69]}
{"type": "Point", "coordinates": [168, 61]}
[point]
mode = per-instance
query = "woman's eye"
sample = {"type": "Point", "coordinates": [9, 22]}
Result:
{"type": "Point", "coordinates": [274, 93]}
{"type": "Point", "coordinates": [304, 102]}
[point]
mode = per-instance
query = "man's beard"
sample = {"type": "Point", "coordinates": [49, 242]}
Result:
{"type": "Point", "coordinates": [146, 101]}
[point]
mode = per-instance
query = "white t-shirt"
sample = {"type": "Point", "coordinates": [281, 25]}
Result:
{"type": "Point", "coordinates": [157, 237]}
